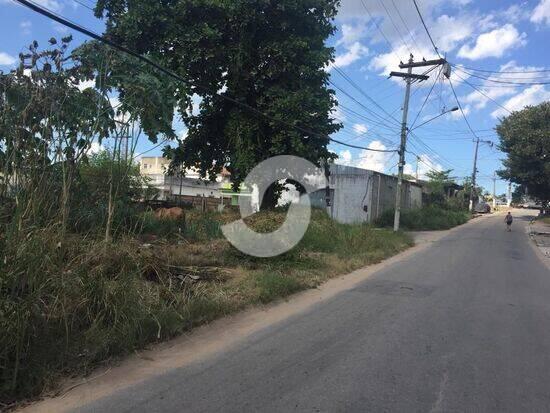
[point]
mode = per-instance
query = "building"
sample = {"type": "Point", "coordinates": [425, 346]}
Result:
{"type": "Point", "coordinates": [361, 195]}
{"type": "Point", "coordinates": [189, 189]}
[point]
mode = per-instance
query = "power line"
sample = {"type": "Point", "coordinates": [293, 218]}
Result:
{"type": "Point", "coordinates": [409, 31]}
{"type": "Point", "coordinates": [425, 100]}
{"type": "Point", "coordinates": [373, 101]}
{"type": "Point", "coordinates": [83, 4]}
{"type": "Point", "coordinates": [379, 119]}
{"type": "Point", "coordinates": [62, 20]}
{"type": "Point", "coordinates": [461, 110]}
{"type": "Point", "coordinates": [395, 26]}
{"type": "Point", "coordinates": [426, 27]}
{"type": "Point", "coordinates": [506, 82]}
{"type": "Point", "coordinates": [362, 147]}
{"type": "Point", "coordinates": [484, 94]}
{"type": "Point", "coordinates": [501, 71]}
{"type": "Point", "coordinates": [379, 28]}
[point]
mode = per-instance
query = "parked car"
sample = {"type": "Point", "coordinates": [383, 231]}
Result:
{"type": "Point", "coordinates": [482, 208]}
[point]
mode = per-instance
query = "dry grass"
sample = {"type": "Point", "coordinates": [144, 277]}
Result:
{"type": "Point", "coordinates": [64, 310]}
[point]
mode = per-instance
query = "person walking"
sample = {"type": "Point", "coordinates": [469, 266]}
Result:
{"type": "Point", "coordinates": [508, 219]}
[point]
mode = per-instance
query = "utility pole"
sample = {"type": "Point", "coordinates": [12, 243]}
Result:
{"type": "Point", "coordinates": [417, 160]}
{"type": "Point", "coordinates": [409, 76]}
{"type": "Point", "coordinates": [474, 172]}
{"type": "Point", "coordinates": [472, 189]}
{"type": "Point", "coordinates": [494, 190]}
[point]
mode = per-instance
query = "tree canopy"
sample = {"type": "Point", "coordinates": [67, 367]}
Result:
{"type": "Point", "coordinates": [525, 138]}
{"type": "Point", "coordinates": [269, 55]}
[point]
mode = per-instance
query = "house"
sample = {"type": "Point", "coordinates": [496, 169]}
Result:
{"type": "Point", "coordinates": [362, 195]}
{"type": "Point", "coordinates": [190, 188]}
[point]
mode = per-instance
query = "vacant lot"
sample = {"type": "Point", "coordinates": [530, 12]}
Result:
{"type": "Point", "coordinates": [65, 308]}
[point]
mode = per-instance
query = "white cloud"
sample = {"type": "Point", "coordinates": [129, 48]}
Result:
{"type": "Point", "coordinates": [516, 12]}
{"type": "Point", "coordinates": [425, 165]}
{"type": "Point", "coordinates": [351, 33]}
{"type": "Point", "coordinates": [375, 161]}
{"type": "Point", "coordinates": [338, 115]}
{"type": "Point", "coordinates": [457, 114]}
{"type": "Point", "coordinates": [530, 96]}
{"type": "Point", "coordinates": [353, 53]}
{"type": "Point", "coordinates": [59, 28]}
{"type": "Point", "coordinates": [6, 59]}
{"type": "Point", "coordinates": [451, 30]}
{"type": "Point", "coordinates": [494, 43]}
{"type": "Point", "coordinates": [480, 100]}
{"type": "Point", "coordinates": [384, 63]}
{"type": "Point", "coordinates": [25, 27]}
{"type": "Point", "coordinates": [360, 128]}
{"type": "Point", "coordinates": [344, 158]}
{"type": "Point", "coordinates": [541, 13]}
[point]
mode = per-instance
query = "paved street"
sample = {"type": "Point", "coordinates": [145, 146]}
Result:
{"type": "Point", "coordinates": [461, 326]}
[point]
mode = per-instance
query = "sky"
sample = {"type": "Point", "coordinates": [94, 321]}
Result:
{"type": "Point", "coordinates": [372, 37]}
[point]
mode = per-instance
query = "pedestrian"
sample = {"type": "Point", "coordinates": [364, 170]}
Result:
{"type": "Point", "coordinates": [508, 219]}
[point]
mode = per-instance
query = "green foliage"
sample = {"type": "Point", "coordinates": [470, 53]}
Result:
{"type": "Point", "coordinates": [269, 55]}
{"type": "Point", "coordinates": [425, 219]}
{"type": "Point", "coordinates": [525, 138]}
{"type": "Point", "coordinates": [275, 285]}
{"type": "Point", "coordinates": [67, 309]}
{"type": "Point", "coordinates": [348, 240]}
{"type": "Point", "coordinates": [89, 204]}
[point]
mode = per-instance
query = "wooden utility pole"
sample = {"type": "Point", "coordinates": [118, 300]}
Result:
{"type": "Point", "coordinates": [409, 77]}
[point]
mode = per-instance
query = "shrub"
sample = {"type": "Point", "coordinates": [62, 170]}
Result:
{"type": "Point", "coordinates": [427, 218]}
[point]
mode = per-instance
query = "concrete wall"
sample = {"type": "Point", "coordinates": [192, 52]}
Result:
{"type": "Point", "coordinates": [361, 195]}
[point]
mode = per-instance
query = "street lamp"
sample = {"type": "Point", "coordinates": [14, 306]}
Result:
{"type": "Point", "coordinates": [435, 117]}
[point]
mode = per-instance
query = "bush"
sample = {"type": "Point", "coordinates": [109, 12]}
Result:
{"type": "Point", "coordinates": [424, 219]}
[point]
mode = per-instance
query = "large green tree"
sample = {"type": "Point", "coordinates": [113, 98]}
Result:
{"type": "Point", "coordinates": [525, 138]}
{"type": "Point", "coordinates": [270, 55]}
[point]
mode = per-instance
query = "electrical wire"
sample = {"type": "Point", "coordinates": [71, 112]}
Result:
{"type": "Point", "coordinates": [501, 71]}
{"type": "Point", "coordinates": [462, 110]}
{"type": "Point", "coordinates": [425, 100]}
{"type": "Point", "coordinates": [506, 82]}
{"type": "Point", "coordinates": [484, 94]}
{"type": "Point", "coordinates": [426, 27]}
{"type": "Point", "coordinates": [395, 26]}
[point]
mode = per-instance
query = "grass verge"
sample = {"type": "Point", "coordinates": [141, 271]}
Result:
{"type": "Point", "coordinates": [426, 219]}
{"type": "Point", "coordinates": [67, 307]}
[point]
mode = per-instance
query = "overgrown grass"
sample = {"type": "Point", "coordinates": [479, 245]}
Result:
{"type": "Point", "coordinates": [68, 305]}
{"type": "Point", "coordinates": [427, 218]}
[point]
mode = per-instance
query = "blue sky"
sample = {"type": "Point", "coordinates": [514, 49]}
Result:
{"type": "Point", "coordinates": [373, 36]}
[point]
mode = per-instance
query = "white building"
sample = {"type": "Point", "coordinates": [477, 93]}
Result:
{"type": "Point", "coordinates": [361, 195]}
{"type": "Point", "coordinates": [175, 187]}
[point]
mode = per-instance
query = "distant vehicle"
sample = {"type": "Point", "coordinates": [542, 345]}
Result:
{"type": "Point", "coordinates": [482, 208]}
{"type": "Point", "coordinates": [530, 203]}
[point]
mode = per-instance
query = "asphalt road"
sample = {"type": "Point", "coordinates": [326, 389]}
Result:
{"type": "Point", "coordinates": [461, 326]}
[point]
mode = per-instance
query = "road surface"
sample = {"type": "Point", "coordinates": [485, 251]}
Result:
{"type": "Point", "coordinates": [461, 326]}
